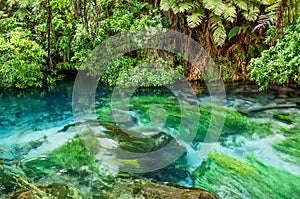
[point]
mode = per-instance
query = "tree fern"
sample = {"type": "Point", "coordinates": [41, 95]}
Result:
{"type": "Point", "coordinates": [229, 13]}
{"type": "Point", "coordinates": [242, 4]}
{"type": "Point", "coordinates": [219, 32]}
{"type": "Point", "coordinates": [195, 18]}
{"type": "Point", "coordinates": [251, 14]}
{"type": "Point", "coordinates": [184, 6]}
{"type": "Point", "coordinates": [167, 4]}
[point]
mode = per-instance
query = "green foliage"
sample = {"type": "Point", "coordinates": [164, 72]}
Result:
{"type": "Point", "coordinates": [21, 60]}
{"type": "Point", "coordinates": [219, 32]}
{"type": "Point", "coordinates": [76, 28]}
{"type": "Point", "coordinates": [195, 18]}
{"type": "Point", "coordinates": [226, 12]}
{"type": "Point", "coordinates": [128, 15]}
{"type": "Point", "coordinates": [280, 63]}
{"type": "Point", "coordinates": [233, 32]}
{"type": "Point", "coordinates": [232, 178]}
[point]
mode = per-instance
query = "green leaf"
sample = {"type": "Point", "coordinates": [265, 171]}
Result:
{"type": "Point", "coordinates": [167, 4]}
{"type": "Point", "coordinates": [184, 6]}
{"type": "Point", "coordinates": [219, 35]}
{"type": "Point", "coordinates": [195, 18]}
{"type": "Point", "coordinates": [242, 4]}
{"type": "Point", "coordinates": [233, 32]}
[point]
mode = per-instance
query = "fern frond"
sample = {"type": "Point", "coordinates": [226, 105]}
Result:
{"type": "Point", "coordinates": [242, 4]}
{"type": "Point", "coordinates": [195, 18]}
{"type": "Point", "coordinates": [252, 14]}
{"type": "Point", "coordinates": [219, 35]}
{"type": "Point", "coordinates": [216, 6]}
{"type": "Point", "coordinates": [219, 8]}
{"type": "Point", "coordinates": [185, 6]}
{"type": "Point", "coordinates": [167, 4]}
{"type": "Point", "coordinates": [229, 13]}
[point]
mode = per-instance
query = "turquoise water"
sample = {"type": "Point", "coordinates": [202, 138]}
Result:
{"type": "Point", "coordinates": [35, 122]}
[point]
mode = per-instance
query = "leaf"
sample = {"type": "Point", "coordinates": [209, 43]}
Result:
{"type": "Point", "coordinates": [252, 14]}
{"type": "Point", "coordinates": [264, 21]}
{"type": "Point", "coordinates": [233, 32]}
{"type": "Point", "coordinates": [242, 4]}
{"type": "Point", "coordinates": [219, 35]}
{"type": "Point", "coordinates": [167, 4]}
{"type": "Point", "coordinates": [195, 18]}
{"type": "Point", "coordinates": [229, 13]}
{"type": "Point", "coordinates": [184, 6]}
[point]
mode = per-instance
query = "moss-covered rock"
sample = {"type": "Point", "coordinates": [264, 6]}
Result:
{"type": "Point", "coordinates": [230, 178]}
{"type": "Point", "coordinates": [51, 191]}
{"type": "Point", "coordinates": [136, 142]}
{"type": "Point", "coordinates": [137, 189]}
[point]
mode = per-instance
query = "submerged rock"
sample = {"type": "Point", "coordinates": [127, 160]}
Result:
{"type": "Point", "coordinates": [8, 184]}
{"type": "Point", "coordinates": [51, 191]}
{"type": "Point", "coordinates": [145, 189]}
{"type": "Point", "coordinates": [137, 142]}
{"type": "Point", "coordinates": [20, 187]}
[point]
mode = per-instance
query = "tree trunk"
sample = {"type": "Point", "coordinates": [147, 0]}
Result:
{"type": "Point", "coordinates": [49, 35]}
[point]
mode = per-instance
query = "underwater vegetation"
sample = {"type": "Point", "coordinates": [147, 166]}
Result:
{"type": "Point", "coordinates": [235, 122]}
{"type": "Point", "coordinates": [228, 177]}
{"type": "Point", "coordinates": [14, 184]}
{"type": "Point", "coordinates": [71, 172]}
{"type": "Point", "coordinates": [72, 164]}
{"type": "Point", "coordinates": [291, 144]}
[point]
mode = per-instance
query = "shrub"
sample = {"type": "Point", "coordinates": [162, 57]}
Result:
{"type": "Point", "coordinates": [280, 63]}
{"type": "Point", "coordinates": [21, 60]}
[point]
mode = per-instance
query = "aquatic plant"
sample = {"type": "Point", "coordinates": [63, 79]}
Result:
{"type": "Point", "coordinates": [291, 144]}
{"type": "Point", "coordinates": [235, 123]}
{"type": "Point", "coordinates": [232, 178]}
{"type": "Point", "coordinates": [15, 184]}
{"type": "Point", "coordinates": [71, 157]}
{"type": "Point", "coordinates": [73, 165]}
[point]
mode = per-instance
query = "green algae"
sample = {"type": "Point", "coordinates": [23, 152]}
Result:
{"type": "Point", "coordinates": [72, 165]}
{"type": "Point", "coordinates": [72, 156]}
{"type": "Point", "coordinates": [129, 162]}
{"type": "Point", "coordinates": [237, 166]}
{"type": "Point", "coordinates": [235, 123]}
{"type": "Point", "coordinates": [289, 119]}
{"type": "Point", "coordinates": [291, 144]}
{"type": "Point", "coordinates": [232, 178]}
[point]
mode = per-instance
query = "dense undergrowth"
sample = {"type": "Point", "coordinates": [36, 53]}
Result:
{"type": "Point", "coordinates": [42, 40]}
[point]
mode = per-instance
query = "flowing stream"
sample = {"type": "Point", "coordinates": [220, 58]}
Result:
{"type": "Point", "coordinates": [34, 122]}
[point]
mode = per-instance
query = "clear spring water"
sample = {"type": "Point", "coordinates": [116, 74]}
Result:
{"type": "Point", "coordinates": [41, 114]}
